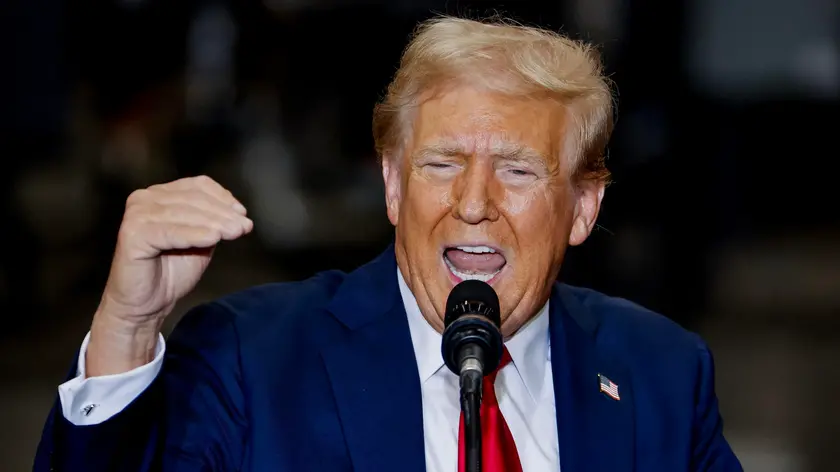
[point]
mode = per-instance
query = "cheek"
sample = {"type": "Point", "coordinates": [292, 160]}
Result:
{"type": "Point", "coordinates": [445, 200]}
{"type": "Point", "coordinates": [533, 210]}
{"type": "Point", "coordinates": [425, 204]}
{"type": "Point", "coordinates": [518, 204]}
{"type": "Point", "coordinates": [539, 221]}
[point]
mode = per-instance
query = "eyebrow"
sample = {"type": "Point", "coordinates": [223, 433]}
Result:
{"type": "Point", "coordinates": [504, 150]}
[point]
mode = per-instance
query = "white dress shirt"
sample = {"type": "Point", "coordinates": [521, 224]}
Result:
{"type": "Point", "coordinates": [524, 388]}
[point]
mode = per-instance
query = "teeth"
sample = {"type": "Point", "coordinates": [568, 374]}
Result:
{"type": "Point", "coordinates": [484, 277]}
{"type": "Point", "coordinates": [477, 249]}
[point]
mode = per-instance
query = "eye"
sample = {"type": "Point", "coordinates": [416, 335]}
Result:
{"type": "Point", "coordinates": [445, 167]}
{"type": "Point", "coordinates": [439, 165]}
{"type": "Point", "coordinates": [441, 169]}
{"type": "Point", "coordinates": [518, 172]}
{"type": "Point", "coordinates": [517, 175]}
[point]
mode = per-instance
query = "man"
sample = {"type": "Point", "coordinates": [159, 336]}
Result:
{"type": "Point", "coordinates": [492, 142]}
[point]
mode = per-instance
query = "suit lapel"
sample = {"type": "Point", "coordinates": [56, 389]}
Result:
{"type": "Point", "coordinates": [374, 374]}
{"type": "Point", "coordinates": [595, 432]}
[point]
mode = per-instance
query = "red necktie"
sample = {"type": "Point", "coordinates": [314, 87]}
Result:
{"type": "Point", "coordinates": [498, 451]}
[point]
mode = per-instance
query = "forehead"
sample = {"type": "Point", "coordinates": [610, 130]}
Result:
{"type": "Point", "coordinates": [468, 121]}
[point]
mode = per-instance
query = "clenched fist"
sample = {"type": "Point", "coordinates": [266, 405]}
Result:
{"type": "Point", "coordinates": [164, 245]}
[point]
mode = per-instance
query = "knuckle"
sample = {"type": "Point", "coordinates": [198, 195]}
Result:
{"type": "Point", "coordinates": [136, 196]}
{"type": "Point", "coordinates": [203, 180]}
{"type": "Point", "coordinates": [137, 215]}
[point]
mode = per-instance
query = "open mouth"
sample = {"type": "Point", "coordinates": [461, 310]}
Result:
{"type": "Point", "coordinates": [473, 262]}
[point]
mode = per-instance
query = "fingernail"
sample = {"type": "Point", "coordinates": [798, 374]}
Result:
{"type": "Point", "coordinates": [239, 207]}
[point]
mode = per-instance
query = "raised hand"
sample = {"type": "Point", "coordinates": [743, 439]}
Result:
{"type": "Point", "coordinates": [164, 245]}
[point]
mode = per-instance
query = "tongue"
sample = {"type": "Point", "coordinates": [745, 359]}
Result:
{"type": "Point", "coordinates": [468, 262]}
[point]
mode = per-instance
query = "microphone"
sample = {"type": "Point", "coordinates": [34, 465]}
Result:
{"type": "Point", "coordinates": [472, 348]}
{"type": "Point", "coordinates": [471, 337]}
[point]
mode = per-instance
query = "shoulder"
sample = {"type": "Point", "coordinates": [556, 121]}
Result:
{"type": "Point", "coordinates": [276, 299]}
{"type": "Point", "coordinates": [667, 363]}
{"type": "Point", "coordinates": [632, 331]}
{"type": "Point", "coordinates": [264, 314]}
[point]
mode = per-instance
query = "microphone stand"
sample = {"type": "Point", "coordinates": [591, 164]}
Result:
{"type": "Point", "coordinates": [471, 384]}
{"type": "Point", "coordinates": [471, 346]}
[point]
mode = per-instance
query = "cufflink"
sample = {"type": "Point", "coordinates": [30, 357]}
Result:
{"type": "Point", "coordinates": [87, 409]}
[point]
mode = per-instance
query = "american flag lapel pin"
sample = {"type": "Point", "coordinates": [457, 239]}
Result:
{"type": "Point", "coordinates": [609, 387]}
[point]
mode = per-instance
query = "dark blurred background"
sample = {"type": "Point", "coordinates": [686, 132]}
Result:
{"type": "Point", "coordinates": [720, 217]}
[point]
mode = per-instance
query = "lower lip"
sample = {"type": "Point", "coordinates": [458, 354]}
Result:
{"type": "Point", "coordinates": [456, 280]}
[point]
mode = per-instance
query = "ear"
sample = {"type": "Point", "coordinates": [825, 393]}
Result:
{"type": "Point", "coordinates": [588, 196]}
{"type": "Point", "coordinates": [393, 190]}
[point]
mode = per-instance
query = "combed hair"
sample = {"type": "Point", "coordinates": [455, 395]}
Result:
{"type": "Point", "coordinates": [507, 58]}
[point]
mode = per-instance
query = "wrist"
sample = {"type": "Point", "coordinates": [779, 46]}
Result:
{"type": "Point", "coordinates": [117, 346]}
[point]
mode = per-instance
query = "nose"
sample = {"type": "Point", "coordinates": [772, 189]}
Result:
{"type": "Point", "coordinates": [473, 194]}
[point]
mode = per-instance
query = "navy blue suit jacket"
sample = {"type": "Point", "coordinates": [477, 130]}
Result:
{"type": "Point", "coordinates": [320, 375]}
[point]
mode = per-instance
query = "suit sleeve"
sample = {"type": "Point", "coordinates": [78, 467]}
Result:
{"type": "Point", "coordinates": [710, 450]}
{"type": "Point", "coordinates": [190, 419]}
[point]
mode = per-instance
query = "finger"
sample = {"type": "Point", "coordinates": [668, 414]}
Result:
{"type": "Point", "coordinates": [229, 226]}
{"type": "Point", "coordinates": [168, 236]}
{"type": "Point", "coordinates": [209, 186]}
{"type": "Point", "coordinates": [150, 239]}
{"type": "Point", "coordinates": [198, 199]}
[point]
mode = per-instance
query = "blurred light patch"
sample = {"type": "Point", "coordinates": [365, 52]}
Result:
{"type": "Point", "coordinates": [766, 455]}
{"type": "Point", "coordinates": [757, 49]}
{"type": "Point", "coordinates": [775, 276]}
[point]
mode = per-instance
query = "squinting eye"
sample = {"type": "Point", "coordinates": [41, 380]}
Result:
{"type": "Point", "coordinates": [439, 165]}
{"type": "Point", "coordinates": [519, 172]}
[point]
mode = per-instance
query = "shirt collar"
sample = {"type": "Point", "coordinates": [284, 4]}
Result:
{"type": "Point", "coordinates": [528, 348]}
{"type": "Point", "coordinates": [425, 339]}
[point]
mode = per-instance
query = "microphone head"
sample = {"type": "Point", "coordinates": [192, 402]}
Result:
{"type": "Point", "coordinates": [472, 297]}
{"type": "Point", "coordinates": [472, 319]}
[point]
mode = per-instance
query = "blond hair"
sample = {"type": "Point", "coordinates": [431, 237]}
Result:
{"type": "Point", "coordinates": [507, 58]}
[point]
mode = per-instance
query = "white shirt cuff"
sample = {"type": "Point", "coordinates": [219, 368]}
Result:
{"type": "Point", "coordinates": [90, 401]}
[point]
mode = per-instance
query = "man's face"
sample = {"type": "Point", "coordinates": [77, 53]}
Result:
{"type": "Point", "coordinates": [483, 190]}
